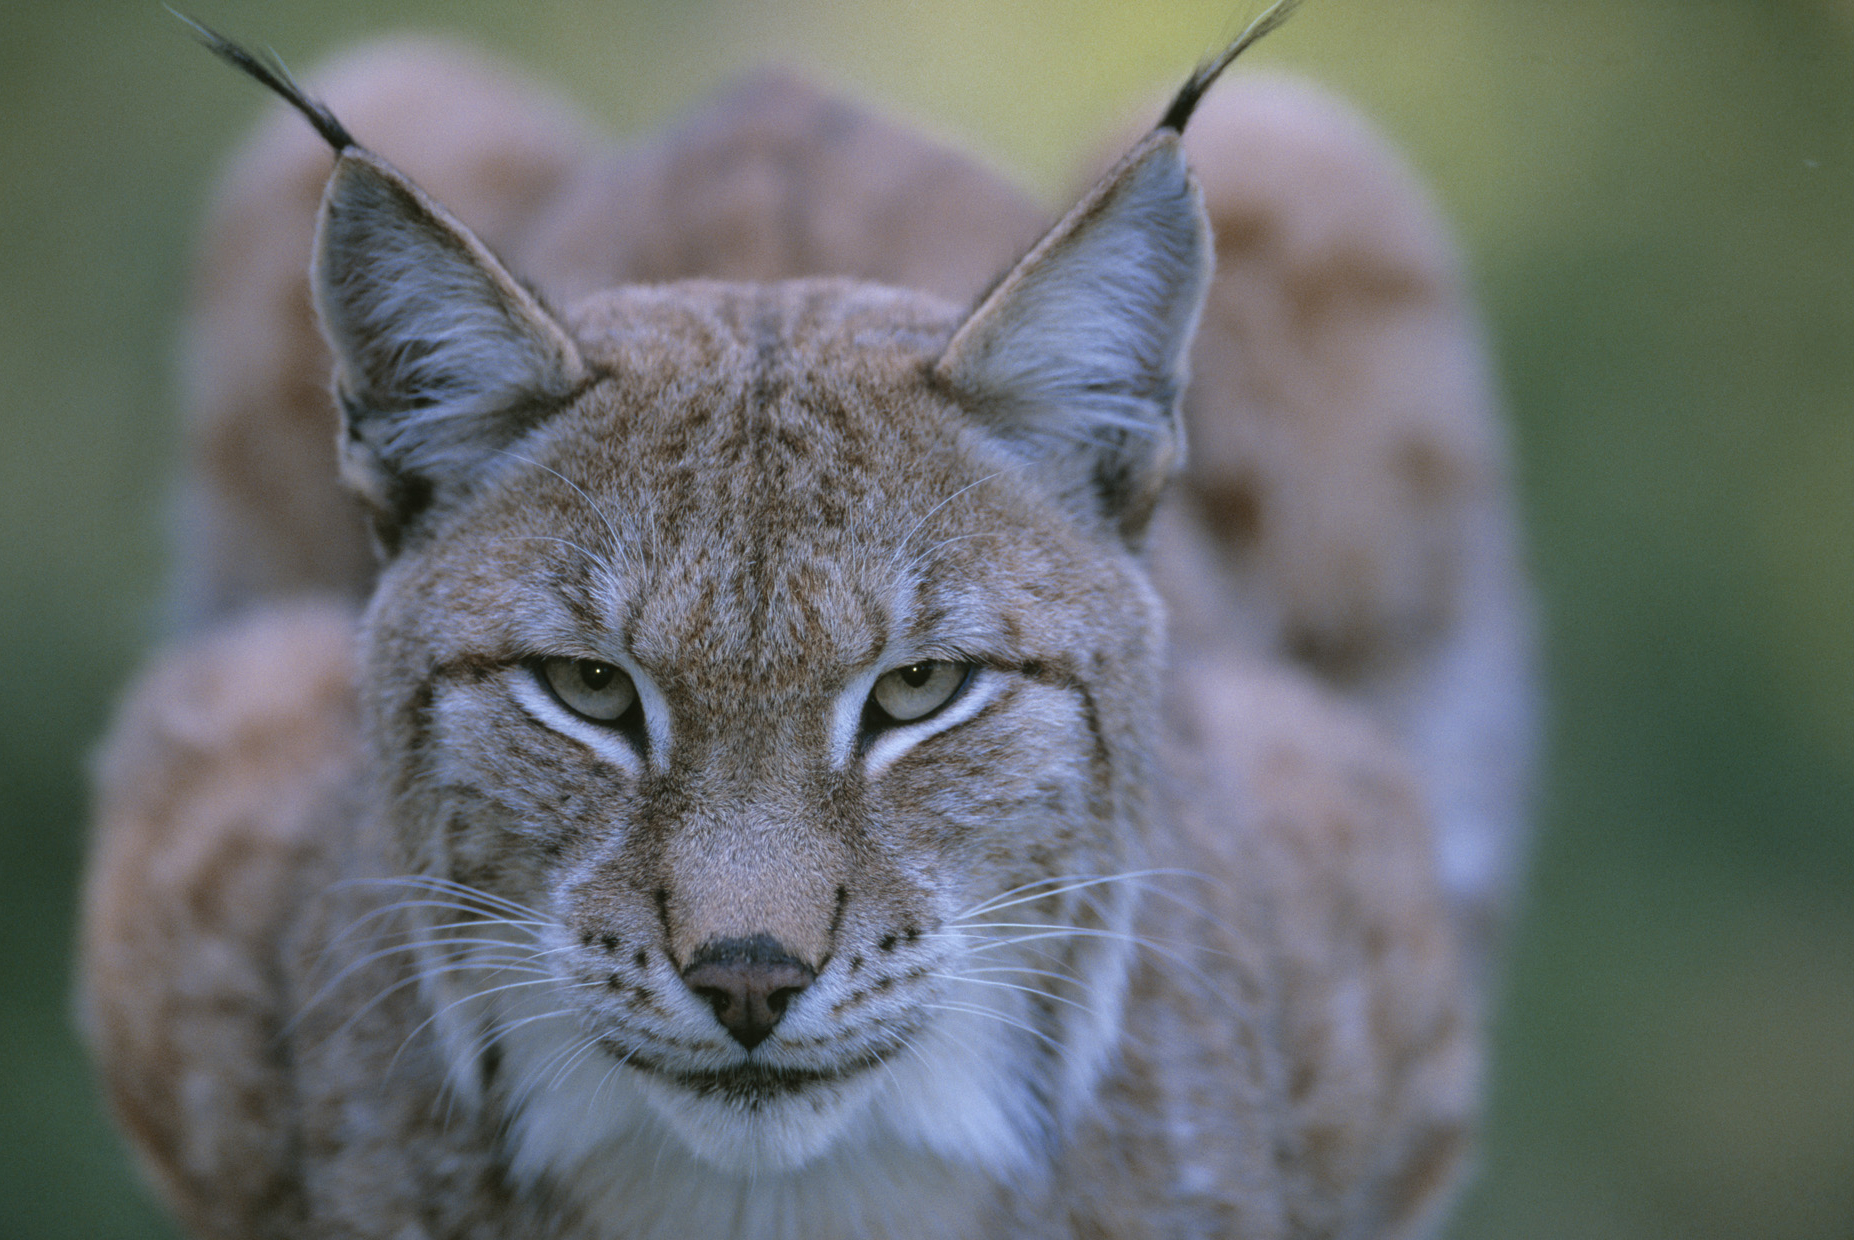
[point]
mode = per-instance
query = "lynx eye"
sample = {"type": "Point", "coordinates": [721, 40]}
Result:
{"type": "Point", "coordinates": [918, 689]}
{"type": "Point", "coordinates": [590, 688]}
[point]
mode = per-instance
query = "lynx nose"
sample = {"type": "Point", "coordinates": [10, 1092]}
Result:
{"type": "Point", "coordinates": [749, 982]}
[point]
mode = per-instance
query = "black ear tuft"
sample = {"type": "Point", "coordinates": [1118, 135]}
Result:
{"type": "Point", "coordinates": [1185, 102]}
{"type": "Point", "coordinates": [272, 73]}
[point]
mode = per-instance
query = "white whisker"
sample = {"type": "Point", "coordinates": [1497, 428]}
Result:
{"type": "Point", "coordinates": [1056, 886]}
{"type": "Point", "coordinates": [564, 542]}
{"type": "Point", "coordinates": [1070, 977]}
{"type": "Point", "coordinates": [424, 975]}
{"type": "Point", "coordinates": [445, 951]}
{"type": "Point", "coordinates": [928, 515]}
{"type": "Point", "coordinates": [432, 882]}
{"type": "Point", "coordinates": [1028, 990]}
{"type": "Point", "coordinates": [618, 551]}
{"type": "Point", "coordinates": [979, 1009]}
{"type": "Point", "coordinates": [496, 1030]}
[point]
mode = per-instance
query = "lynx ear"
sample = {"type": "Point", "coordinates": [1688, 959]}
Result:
{"type": "Point", "coordinates": [441, 357]}
{"type": "Point", "coordinates": [1077, 358]}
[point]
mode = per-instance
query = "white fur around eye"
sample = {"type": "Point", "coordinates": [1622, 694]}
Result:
{"type": "Point", "coordinates": [980, 688]}
{"type": "Point", "coordinates": [543, 704]}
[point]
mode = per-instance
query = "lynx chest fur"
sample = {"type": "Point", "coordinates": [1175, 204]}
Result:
{"type": "Point", "coordinates": [777, 738]}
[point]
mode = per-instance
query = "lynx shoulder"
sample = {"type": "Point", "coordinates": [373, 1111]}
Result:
{"type": "Point", "coordinates": [718, 762]}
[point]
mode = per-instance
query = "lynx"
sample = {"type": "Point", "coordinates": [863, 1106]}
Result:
{"type": "Point", "coordinates": [788, 742]}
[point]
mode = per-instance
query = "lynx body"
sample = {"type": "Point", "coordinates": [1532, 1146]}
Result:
{"type": "Point", "coordinates": [756, 794]}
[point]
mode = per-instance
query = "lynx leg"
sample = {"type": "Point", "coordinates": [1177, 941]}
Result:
{"type": "Point", "coordinates": [1346, 502]}
{"type": "Point", "coordinates": [1379, 1028]}
{"type": "Point", "coordinates": [262, 512]}
{"type": "Point", "coordinates": [209, 791]}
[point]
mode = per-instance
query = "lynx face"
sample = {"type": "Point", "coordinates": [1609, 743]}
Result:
{"type": "Point", "coordinates": [780, 699]}
{"type": "Point", "coordinates": [760, 676]}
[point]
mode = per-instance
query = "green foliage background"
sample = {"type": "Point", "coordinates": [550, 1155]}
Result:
{"type": "Point", "coordinates": [1657, 197]}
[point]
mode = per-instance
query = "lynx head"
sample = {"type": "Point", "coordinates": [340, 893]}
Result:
{"type": "Point", "coordinates": [761, 677]}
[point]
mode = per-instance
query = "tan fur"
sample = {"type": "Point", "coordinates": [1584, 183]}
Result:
{"type": "Point", "coordinates": [769, 480]}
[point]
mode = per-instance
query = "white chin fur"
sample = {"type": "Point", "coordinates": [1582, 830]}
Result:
{"type": "Point", "coordinates": [950, 1094]}
{"type": "Point", "coordinates": [860, 1157]}
{"type": "Point", "coordinates": [779, 1136]}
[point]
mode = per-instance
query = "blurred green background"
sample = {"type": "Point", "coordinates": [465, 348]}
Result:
{"type": "Point", "coordinates": [1658, 204]}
